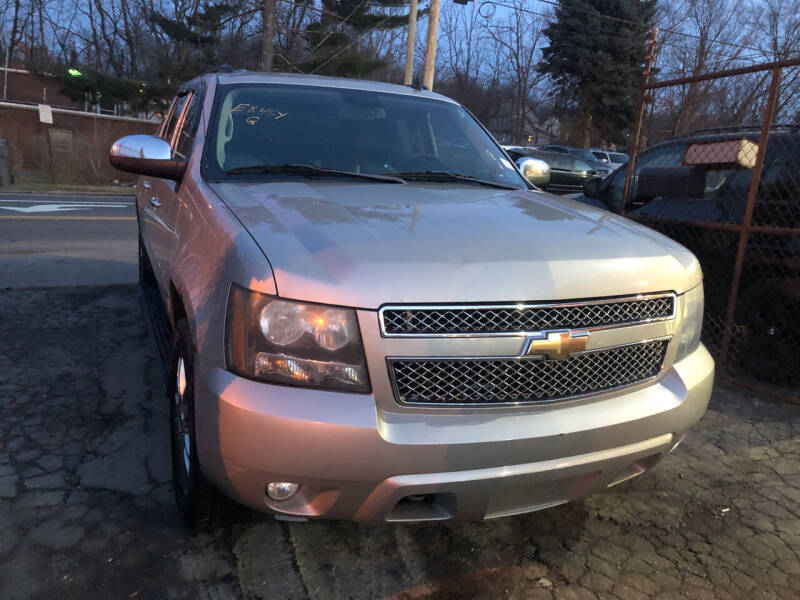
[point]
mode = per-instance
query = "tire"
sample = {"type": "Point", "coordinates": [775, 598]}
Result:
{"type": "Point", "coordinates": [146, 276]}
{"type": "Point", "coordinates": [192, 491]}
{"type": "Point", "coordinates": [770, 342]}
{"type": "Point", "coordinates": [143, 264]}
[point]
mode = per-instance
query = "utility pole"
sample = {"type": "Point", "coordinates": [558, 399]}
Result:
{"type": "Point", "coordinates": [641, 106]}
{"type": "Point", "coordinates": [412, 39]}
{"type": "Point", "coordinates": [430, 46]}
{"type": "Point", "coordinates": [267, 36]}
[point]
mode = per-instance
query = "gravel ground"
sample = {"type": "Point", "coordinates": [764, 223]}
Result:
{"type": "Point", "coordinates": [86, 508]}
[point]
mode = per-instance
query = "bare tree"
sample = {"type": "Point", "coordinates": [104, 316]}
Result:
{"type": "Point", "coordinates": [517, 41]}
{"type": "Point", "coordinates": [701, 36]}
{"type": "Point", "coordinates": [462, 37]}
{"type": "Point", "coordinates": [267, 35]}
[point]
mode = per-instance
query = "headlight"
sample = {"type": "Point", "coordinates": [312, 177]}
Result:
{"type": "Point", "coordinates": [295, 343]}
{"type": "Point", "coordinates": [691, 323]}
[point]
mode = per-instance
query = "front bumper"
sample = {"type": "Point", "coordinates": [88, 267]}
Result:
{"type": "Point", "coordinates": [358, 461]}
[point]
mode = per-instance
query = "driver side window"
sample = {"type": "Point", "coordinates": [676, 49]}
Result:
{"type": "Point", "coordinates": [669, 156]}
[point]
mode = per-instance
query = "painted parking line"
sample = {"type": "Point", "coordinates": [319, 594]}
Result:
{"type": "Point", "coordinates": [40, 201]}
{"type": "Point", "coordinates": [62, 218]}
{"type": "Point", "coordinates": [44, 208]}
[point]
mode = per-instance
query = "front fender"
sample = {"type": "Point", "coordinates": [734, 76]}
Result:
{"type": "Point", "coordinates": [214, 250]}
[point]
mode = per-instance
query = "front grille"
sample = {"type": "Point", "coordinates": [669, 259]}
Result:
{"type": "Point", "coordinates": [514, 318]}
{"type": "Point", "coordinates": [513, 380]}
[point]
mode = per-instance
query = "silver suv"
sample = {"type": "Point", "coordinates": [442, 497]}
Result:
{"type": "Point", "coordinates": [368, 313]}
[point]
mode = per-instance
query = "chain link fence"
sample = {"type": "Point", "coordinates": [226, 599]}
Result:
{"type": "Point", "coordinates": [731, 195]}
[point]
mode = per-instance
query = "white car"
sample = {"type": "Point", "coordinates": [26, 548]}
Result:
{"type": "Point", "coordinates": [612, 159]}
{"type": "Point", "coordinates": [374, 316]}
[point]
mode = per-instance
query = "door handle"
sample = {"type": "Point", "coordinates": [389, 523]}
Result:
{"type": "Point", "coordinates": [146, 185]}
{"type": "Point", "coordinates": [155, 201]}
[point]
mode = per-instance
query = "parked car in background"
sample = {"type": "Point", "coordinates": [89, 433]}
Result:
{"type": "Point", "coordinates": [602, 169]}
{"type": "Point", "coordinates": [567, 173]}
{"type": "Point", "coordinates": [519, 149]}
{"type": "Point", "coordinates": [673, 197]}
{"type": "Point", "coordinates": [368, 313]}
{"type": "Point", "coordinates": [612, 159]}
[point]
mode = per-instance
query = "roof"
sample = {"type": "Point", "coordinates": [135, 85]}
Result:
{"type": "Point", "coordinates": [700, 136]}
{"type": "Point", "coordinates": [235, 77]}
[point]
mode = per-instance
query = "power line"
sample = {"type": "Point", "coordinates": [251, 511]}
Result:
{"type": "Point", "coordinates": [348, 46]}
{"type": "Point", "coordinates": [551, 19]}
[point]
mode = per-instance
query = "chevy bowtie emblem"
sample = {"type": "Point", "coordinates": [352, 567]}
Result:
{"type": "Point", "coordinates": [556, 345]}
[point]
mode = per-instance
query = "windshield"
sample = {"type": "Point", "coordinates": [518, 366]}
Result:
{"type": "Point", "coordinates": [618, 157]}
{"type": "Point", "coordinates": [357, 131]}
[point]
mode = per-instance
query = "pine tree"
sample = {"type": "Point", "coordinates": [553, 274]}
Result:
{"type": "Point", "coordinates": [194, 40]}
{"type": "Point", "coordinates": [93, 86]}
{"type": "Point", "coordinates": [191, 48]}
{"type": "Point", "coordinates": [334, 37]}
{"type": "Point", "coordinates": [595, 59]}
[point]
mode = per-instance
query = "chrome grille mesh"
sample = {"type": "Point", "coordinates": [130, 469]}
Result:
{"type": "Point", "coordinates": [512, 318]}
{"type": "Point", "coordinates": [499, 381]}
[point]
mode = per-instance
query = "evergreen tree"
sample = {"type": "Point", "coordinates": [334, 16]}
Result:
{"type": "Point", "coordinates": [334, 37]}
{"type": "Point", "coordinates": [192, 44]}
{"type": "Point", "coordinates": [92, 86]}
{"type": "Point", "coordinates": [595, 59]}
{"type": "Point", "coordinates": [194, 40]}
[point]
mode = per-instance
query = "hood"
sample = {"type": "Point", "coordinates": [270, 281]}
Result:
{"type": "Point", "coordinates": [363, 245]}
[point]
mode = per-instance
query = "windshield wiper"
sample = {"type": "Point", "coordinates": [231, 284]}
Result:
{"type": "Point", "coordinates": [448, 176]}
{"type": "Point", "coordinates": [309, 170]}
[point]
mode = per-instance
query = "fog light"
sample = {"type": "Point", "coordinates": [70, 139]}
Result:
{"type": "Point", "coordinates": [282, 490]}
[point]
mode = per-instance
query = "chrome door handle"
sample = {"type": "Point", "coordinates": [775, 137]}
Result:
{"type": "Point", "coordinates": [155, 201]}
{"type": "Point", "coordinates": [146, 185]}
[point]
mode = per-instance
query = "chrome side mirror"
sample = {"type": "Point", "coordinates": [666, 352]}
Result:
{"type": "Point", "coordinates": [536, 171]}
{"type": "Point", "coordinates": [146, 155]}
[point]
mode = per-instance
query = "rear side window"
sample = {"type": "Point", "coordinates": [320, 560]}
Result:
{"type": "Point", "coordinates": [561, 162]}
{"type": "Point", "coordinates": [174, 117]}
{"type": "Point", "coordinates": [183, 144]}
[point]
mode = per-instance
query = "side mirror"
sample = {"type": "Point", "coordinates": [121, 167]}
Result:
{"type": "Point", "coordinates": [591, 187]}
{"type": "Point", "coordinates": [146, 155]}
{"type": "Point", "coordinates": [536, 171]}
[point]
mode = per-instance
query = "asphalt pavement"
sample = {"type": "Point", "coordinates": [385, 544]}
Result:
{"type": "Point", "coordinates": [86, 509]}
{"type": "Point", "coordinates": [58, 240]}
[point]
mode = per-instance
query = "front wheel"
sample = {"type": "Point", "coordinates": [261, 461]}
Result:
{"type": "Point", "coordinates": [192, 492]}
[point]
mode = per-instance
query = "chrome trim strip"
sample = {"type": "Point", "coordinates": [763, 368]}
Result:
{"type": "Point", "coordinates": [523, 306]}
{"type": "Point", "coordinates": [490, 405]}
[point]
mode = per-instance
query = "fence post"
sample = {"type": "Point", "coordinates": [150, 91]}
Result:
{"type": "Point", "coordinates": [640, 109]}
{"type": "Point", "coordinates": [744, 231]}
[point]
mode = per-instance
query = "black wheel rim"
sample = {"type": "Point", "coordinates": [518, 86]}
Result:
{"type": "Point", "coordinates": [181, 432]}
